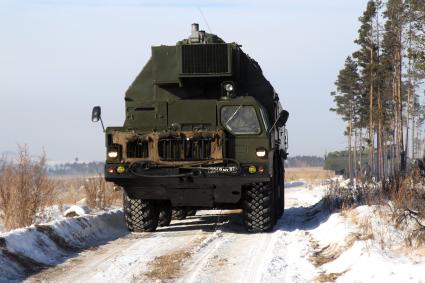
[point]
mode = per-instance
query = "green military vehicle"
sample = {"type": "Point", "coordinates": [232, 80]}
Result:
{"type": "Point", "coordinates": [203, 129]}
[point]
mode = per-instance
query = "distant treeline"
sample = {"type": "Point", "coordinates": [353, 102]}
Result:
{"type": "Point", "coordinates": [338, 161]}
{"type": "Point", "coordinates": [305, 161]}
{"type": "Point", "coordinates": [76, 168]}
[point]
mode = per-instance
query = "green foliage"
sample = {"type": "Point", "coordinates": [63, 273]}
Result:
{"type": "Point", "coordinates": [348, 95]}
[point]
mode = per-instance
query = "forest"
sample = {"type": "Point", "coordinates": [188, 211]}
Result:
{"type": "Point", "coordinates": [379, 92]}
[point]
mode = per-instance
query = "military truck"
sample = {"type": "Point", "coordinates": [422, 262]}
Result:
{"type": "Point", "coordinates": [203, 129]}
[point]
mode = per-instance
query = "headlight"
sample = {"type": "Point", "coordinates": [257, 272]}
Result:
{"type": "Point", "coordinates": [113, 154]}
{"type": "Point", "coordinates": [228, 87]}
{"type": "Point", "coordinates": [261, 152]}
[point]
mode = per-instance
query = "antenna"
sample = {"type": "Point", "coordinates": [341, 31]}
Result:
{"type": "Point", "coordinates": [205, 20]}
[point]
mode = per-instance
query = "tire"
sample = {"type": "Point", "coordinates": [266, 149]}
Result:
{"type": "Point", "coordinates": [191, 212]}
{"type": "Point", "coordinates": [280, 194]}
{"type": "Point", "coordinates": [258, 207]}
{"type": "Point", "coordinates": [165, 214]}
{"type": "Point", "coordinates": [140, 215]}
{"type": "Point", "coordinates": [179, 213]}
{"type": "Point", "coordinates": [278, 179]}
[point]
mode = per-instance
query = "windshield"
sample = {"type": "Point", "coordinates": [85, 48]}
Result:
{"type": "Point", "coordinates": [240, 119]}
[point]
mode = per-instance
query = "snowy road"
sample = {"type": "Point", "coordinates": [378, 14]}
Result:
{"type": "Point", "coordinates": [308, 244]}
{"type": "Point", "coordinates": [211, 247]}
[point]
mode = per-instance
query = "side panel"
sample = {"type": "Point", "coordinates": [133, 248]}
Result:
{"type": "Point", "coordinates": [192, 113]}
{"type": "Point", "coordinates": [166, 66]}
{"type": "Point", "coordinates": [147, 115]}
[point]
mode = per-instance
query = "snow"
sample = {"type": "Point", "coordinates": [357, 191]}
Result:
{"type": "Point", "coordinates": [309, 243]}
{"type": "Point", "coordinates": [76, 210]}
{"type": "Point", "coordinates": [29, 249]}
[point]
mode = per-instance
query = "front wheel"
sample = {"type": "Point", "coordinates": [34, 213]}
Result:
{"type": "Point", "coordinates": [140, 215]}
{"type": "Point", "coordinates": [258, 207]}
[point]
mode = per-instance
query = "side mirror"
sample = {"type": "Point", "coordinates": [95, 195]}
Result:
{"type": "Point", "coordinates": [95, 114]}
{"type": "Point", "coordinates": [283, 118]}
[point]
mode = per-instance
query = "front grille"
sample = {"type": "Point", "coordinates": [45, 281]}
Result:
{"type": "Point", "coordinates": [183, 149]}
{"type": "Point", "coordinates": [137, 149]}
{"type": "Point", "coordinates": [205, 59]}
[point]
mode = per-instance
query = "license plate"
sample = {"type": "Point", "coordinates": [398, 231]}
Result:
{"type": "Point", "coordinates": [227, 169]}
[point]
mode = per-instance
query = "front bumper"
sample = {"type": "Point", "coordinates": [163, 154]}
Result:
{"type": "Point", "coordinates": [186, 188]}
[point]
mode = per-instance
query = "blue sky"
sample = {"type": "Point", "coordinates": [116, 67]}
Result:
{"type": "Point", "coordinates": [60, 58]}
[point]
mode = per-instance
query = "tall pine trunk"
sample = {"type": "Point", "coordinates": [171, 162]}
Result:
{"type": "Point", "coordinates": [361, 152]}
{"type": "Point", "coordinates": [355, 154]}
{"type": "Point", "coordinates": [381, 170]}
{"type": "Point", "coordinates": [398, 110]}
{"type": "Point", "coordinates": [371, 128]}
{"type": "Point", "coordinates": [350, 130]}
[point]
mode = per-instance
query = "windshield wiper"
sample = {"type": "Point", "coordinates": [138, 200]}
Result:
{"type": "Point", "coordinates": [231, 117]}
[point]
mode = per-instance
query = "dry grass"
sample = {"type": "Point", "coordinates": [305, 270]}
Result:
{"type": "Point", "coordinates": [95, 190]}
{"type": "Point", "coordinates": [167, 266]}
{"type": "Point", "coordinates": [326, 254]}
{"type": "Point", "coordinates": [353, 194]}
{"type": "Point", "coordinates": [311, 174]}
{"type": "Point", "coordinates": [25, 189]}
{"type": "Point", "coordinates": [400, 198]}
{"type": "Point", "coordinates": [329, 277]}
{"type": "Point", "coordinates": [101, 194]}
{"type": "Point", "coordinates": [407, 195]}
{"type": "Point", "coordinates": [329, 253]}
{"type": "Point", "coordinates": [70, 189]}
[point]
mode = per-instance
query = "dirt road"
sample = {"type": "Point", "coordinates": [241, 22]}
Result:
{"type": "Point", "coordinates": [209, 247]}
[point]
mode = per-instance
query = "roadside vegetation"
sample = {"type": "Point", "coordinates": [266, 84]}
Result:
{"type": "Point", "coordinates": [27, 192]}
{"type": "Point", "coordinates": [399, 204]}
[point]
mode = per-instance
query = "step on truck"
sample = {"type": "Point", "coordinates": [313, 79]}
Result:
{"type": "Point", "coordinates": [203, 129]}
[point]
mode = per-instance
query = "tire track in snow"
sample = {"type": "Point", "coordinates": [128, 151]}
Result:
{"type": "Point", "coordinates": [227, 254]}
{"type": "Point", "coordinates": [129, 256]}
{"type": "Point", "coordinates": [279, 256]}
{"type": "Point", "coordinates": [204, 252]}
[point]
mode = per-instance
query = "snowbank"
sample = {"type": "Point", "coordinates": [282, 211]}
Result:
{"type": "Point", "coordinates": [27, 250]}
{"type": "Point", "coordinates": [361, 245]}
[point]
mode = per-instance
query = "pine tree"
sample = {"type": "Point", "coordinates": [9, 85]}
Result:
{"type": "Point", "coordinates": [393, 48]}
{"type": "Point", "coordinates": [415, 54]}
{"type": "Point", "coordinates": [346, 100]}
{"type": "Point", "coordinates": [366, 58]}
